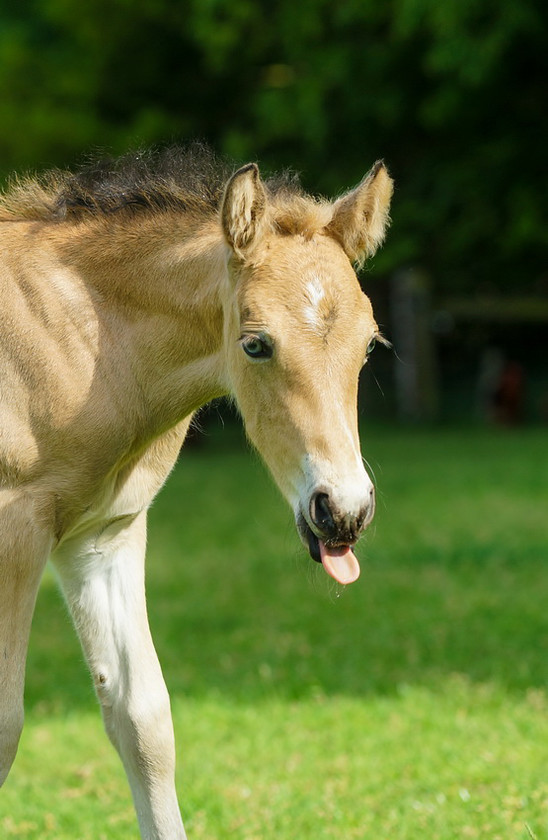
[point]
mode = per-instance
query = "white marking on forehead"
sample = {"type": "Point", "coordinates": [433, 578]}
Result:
{"type": "Point", "coordinates": [315, 293]}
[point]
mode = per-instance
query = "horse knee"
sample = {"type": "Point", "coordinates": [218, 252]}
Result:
{"type": "Point", "coordinates": [142, 731]}
{"type": "Point", "coordinates": [10, 733]}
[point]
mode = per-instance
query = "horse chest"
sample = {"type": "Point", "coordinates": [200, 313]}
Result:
{"type": "Point", "coordinates": [122, 492]}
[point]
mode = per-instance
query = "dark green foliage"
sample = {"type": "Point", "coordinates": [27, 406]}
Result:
{"type": "Point", "coordinates": [452, 95]}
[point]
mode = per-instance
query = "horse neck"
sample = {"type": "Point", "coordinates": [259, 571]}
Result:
{"type": "Point", "coordinates": [159, 283]}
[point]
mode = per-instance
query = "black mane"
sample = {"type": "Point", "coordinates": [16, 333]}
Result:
{"type": "Point", "coordinates": [174, 177]}
{"type": "Point", "coordinates": [188, 178]}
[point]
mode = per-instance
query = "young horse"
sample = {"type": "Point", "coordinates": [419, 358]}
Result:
{"type": "Point", "coordinates": [132, 294]}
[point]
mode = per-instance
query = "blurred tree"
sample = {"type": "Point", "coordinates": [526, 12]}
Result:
{"type": "Point", "coordinates": [452, 94]}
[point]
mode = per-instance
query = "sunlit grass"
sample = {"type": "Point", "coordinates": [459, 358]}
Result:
{"type": "Point", "coordinates": [411, 705]}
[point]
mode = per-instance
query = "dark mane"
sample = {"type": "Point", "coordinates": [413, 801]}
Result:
{"type": "Point", "coordinates": [189, 179]}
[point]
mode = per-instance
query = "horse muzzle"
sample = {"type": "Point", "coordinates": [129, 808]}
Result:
{"type": "Point", "coordinates": [336, 526]}
{"type": "Point", "coordinates": [329, 533]}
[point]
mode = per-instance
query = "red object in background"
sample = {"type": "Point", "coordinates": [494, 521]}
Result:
{"type": "Point", "coordinates": [508, 398]}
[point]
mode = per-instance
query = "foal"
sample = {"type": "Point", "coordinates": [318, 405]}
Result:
{"type": "Point", "coordinates": [132, 294]}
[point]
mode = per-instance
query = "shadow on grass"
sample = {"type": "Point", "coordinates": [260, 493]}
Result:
{"type": "Point", "coordinates": [454, 580]}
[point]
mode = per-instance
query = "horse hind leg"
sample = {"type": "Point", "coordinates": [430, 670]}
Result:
{"type": "Point", "coordinates": [23, 555]}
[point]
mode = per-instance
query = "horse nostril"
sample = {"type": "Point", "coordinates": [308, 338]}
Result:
{"type": "Point", "coordinates": [367, 512]}
{"type": "Point", "coordinates": [334, 524]}
{"type": "Point", "coordinates": [320, 513]}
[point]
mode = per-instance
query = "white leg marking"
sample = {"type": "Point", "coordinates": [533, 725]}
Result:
{"type": "Point", "coordinates": [103, 582]}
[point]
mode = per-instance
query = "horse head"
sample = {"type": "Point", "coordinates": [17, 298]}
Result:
{"type": "Point", "coordinates": [298, 329]}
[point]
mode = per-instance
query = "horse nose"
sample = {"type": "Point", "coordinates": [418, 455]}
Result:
{"type": "Point", "coordinates": [321, 514]}
{"type": "Point", "coordinates": [336, 524]}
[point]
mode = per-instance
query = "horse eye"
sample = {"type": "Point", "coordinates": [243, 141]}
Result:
{"type": "Point", "coordinates": [371, 346]}
{"type": "Point", "coordinates": [257, 348]}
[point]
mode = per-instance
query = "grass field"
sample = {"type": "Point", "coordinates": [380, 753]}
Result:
{"type": "Point", "coordinates": [411, 705]}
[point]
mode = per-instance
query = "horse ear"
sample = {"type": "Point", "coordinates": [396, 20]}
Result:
{"type": "Point", "coordinates": [243, 208]}
{"type": "Point", "coordinates": [360, 217]}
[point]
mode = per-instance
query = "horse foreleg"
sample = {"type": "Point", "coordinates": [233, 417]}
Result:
{"type": "Point", "coordinates": [103, 582]}
{"type": "Point", "coordinates": [23, 555]}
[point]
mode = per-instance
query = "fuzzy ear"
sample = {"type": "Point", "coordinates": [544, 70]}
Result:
{"type": "Point", "coordinates": [360, 217]}
{"type": "Point", "coordinates": [243, 208]}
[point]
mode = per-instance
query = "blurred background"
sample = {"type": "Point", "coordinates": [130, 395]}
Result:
{"type": "Point", "coordinates": [452, 95]}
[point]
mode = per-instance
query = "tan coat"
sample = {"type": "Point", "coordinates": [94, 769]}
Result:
{"type": "Point", "coordinates": [116, 324]}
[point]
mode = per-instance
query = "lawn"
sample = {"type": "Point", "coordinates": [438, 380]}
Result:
{"type": "Point", "coordinates": [412, 705]}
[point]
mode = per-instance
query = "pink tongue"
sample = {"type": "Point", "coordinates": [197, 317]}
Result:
{"type": "Point", "coordinates": [340, 563]}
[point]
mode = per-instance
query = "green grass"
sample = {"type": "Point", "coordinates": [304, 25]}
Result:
{"type": "Point", "coordinates": [412, 705]}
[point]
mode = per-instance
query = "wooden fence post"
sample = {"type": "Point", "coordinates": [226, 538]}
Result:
{"type": "Point", "coordinates": [415, 371]}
